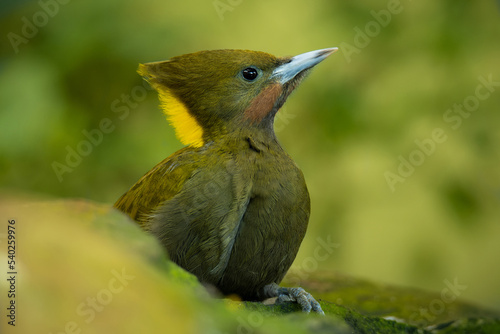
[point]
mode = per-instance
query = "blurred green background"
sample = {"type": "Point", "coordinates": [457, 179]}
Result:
{"type": "Point", "coordinates": [68, 68]}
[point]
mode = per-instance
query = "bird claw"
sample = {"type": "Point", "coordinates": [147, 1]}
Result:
{"type": "Point", "coordinates": [297, 295]}
{"type": "Point", "coordinates": [301, 297]}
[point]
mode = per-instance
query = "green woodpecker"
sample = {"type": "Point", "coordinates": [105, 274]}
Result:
{"type": "Point", "coordinates": [231, 207]}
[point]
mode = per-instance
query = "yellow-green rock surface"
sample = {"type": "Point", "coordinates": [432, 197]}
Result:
{"type": "Point", "coordinates": [83, 267]}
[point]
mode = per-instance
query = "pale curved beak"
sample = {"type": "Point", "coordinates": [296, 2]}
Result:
{"type": "Point", "coordinates": [299, 63]}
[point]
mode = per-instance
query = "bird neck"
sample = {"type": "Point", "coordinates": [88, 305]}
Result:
{"type": "Point", "coordinates": [255, 136]}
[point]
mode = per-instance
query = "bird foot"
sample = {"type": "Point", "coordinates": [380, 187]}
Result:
{"type": "Point", "coordinates": [297, 295]}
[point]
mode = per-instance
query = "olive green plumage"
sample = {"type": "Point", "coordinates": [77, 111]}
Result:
{"type": "Point", "coordinates": [231, 207]}
{"type": "Point", "coordinates": [232, 214]}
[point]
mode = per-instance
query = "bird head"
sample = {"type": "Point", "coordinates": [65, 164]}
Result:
{"type": "Point", "coordinates": [208, 94]}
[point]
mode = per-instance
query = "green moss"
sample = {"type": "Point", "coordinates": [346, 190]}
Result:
{"type": "Point", "coordinates": [75, 250]}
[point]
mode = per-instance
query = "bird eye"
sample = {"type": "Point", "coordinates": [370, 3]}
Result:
{"type": "Point", "coordinates": [250, 73]}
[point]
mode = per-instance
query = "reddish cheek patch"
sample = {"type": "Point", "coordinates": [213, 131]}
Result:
{"type": "Point", "coordinates": [263, 103]}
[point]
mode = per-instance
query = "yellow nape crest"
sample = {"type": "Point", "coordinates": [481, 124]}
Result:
{"type": "Point", "coordinates": [186, 127]}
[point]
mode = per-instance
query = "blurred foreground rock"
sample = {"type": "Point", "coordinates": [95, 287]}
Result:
{"type": "Point", "coordinates": [83, 267]}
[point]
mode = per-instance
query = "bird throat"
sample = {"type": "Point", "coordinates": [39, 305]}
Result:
{"type": "Point", "coordinates": [263, 103]}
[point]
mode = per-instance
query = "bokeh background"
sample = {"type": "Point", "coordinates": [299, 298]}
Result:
{"type": "Point", "coordinates": [68, 68]}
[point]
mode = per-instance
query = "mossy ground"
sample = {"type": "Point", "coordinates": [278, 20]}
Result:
{"type": "Point", "coordinates": [84, 267]}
